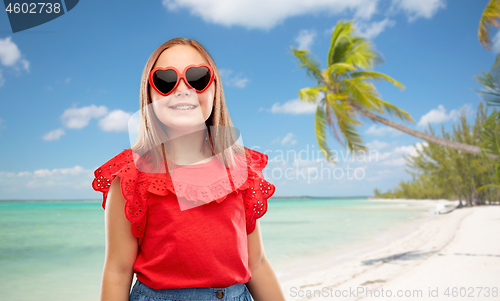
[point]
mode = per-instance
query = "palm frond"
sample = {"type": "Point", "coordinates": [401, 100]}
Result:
{"type": "Point", "coordinates": [491, 92]}
{"type": "Point", "coordinates": [342, 48]}
{"type": "Point", "coordinates": [339, 68]}
{"type": "Point", "coordinates": [310, 94]}
{"type": "Point", "coordinates": [309, 63]}
{"type": "Point", "coordinates": [377, 76]}
{"type": "Point", "coordinates": [346, 123]}
{"type": "Point", "coordinates": [393, 110]}
{"type": "Point", "coordinates": [489, 18]}
{"type": "Point", "coordinates": [361, 92]}
{"type": "Point", "coordinates": [319, 127]}
{"type": "Point", "coordinates": [363, 56]}
{"type": "Point", "coordinates": [331, 123]}
{"type": "Point", "coordinates": [342, 32]}
{"type": "Point", "coordinates": [491, 83]}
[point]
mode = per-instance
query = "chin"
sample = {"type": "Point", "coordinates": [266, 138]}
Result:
{"type": "Point", "coordinates": [186, 125]}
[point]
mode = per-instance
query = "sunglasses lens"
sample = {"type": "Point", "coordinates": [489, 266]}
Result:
{"type": "Point", "coordinates": [165, 80]}
{"type": "Point", "coordinates": [198, 78]}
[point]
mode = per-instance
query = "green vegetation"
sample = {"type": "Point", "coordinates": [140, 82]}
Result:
{"type": "Point", "coordinates": [442, 173]}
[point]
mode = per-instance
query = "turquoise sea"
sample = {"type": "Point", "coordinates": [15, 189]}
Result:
{"type": "Point", "coordinates": [54, 250]}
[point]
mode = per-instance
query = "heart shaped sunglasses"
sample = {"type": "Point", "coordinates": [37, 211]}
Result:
{"type": "Point", "coordinates": [165, 79]}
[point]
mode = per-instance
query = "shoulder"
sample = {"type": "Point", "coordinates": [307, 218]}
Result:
{"type": "Point", "coordinates": [121, 165]}
{"type": "Point", "coordinates": [256, 159]}
{"type": "Point", "coordinates": [122, 161]}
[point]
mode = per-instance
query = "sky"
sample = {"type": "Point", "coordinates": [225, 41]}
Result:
{"type": "Point", "coordinates": [68, 87]}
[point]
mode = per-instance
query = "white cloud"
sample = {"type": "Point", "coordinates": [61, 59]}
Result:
{"type": "Point", "coordinates": [53, 135]}
{"type": "Point", "coordinates": [373, 29]}
{"type": "Point", "coordinates": [294, 106]}
{"type": "Point", "coordinates": [439, 115]}
{"type": "Point", "coordinates": [47, 180]}
{"type": "Point", "coordinates": [288, 140]}
{"type": "Point", "coordinates": [265, 14]}
{"type": "Point", "coordinates": [305, 38]}
{"type": "Point", "coordinates": [376, 145]}
{"type": "Point", "coordinates": [10, 54]}
{"type": "Point", "coordinates": [382, 130]}
{"type": "Point", "coordinates": [418, 8]}
{"type": "Point", "coordinates": [410, 149]}
{"type": "Point", "coordinates": [58, 171]}
{"type": "Point", "coordinates": [395, 157]}
{"type": "Point", "coordinates": [77, 118]}
{"type": "Point", "coordinates": [115, 121]}
{"type": "Point", "coordinates": [11, 57]}
{"type": "Point", "coordinates": [237, 81]}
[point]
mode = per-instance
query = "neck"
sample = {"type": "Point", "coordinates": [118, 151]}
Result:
{"type": "Point", "coordinates": [189, 147]}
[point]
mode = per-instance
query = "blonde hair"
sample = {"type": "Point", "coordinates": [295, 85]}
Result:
{"type": "Point", "coordinates": [151, 131]}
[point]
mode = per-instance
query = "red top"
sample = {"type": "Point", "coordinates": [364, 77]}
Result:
{"type": "Point", "coordinates": [205, 246]}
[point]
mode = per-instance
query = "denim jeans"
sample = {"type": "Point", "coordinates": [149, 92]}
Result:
{"type": "Point", "coordinates": [236, 292]}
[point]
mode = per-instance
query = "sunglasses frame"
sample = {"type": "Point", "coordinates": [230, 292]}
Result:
{"type": "Point", "coordinates": [181, 76]}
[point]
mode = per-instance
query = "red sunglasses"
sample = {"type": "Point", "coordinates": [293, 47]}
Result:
{"type": "Point", "coordinates": [165, 79]}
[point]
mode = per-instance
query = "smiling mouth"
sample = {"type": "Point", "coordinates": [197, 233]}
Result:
{"type": "Point", "coordinates": [183, 107]}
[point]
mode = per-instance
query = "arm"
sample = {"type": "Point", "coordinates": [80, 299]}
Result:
{"type": "Point", "coordinates": [121, 248]}
{"type": "Point", "coordinates": [263, 285]}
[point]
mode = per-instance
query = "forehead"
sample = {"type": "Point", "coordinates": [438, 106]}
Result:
{"type": "Point", "coordinates": [180, 56]}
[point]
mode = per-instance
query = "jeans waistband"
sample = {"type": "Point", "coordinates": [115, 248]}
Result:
{"type": "Point", "coordinates": [197, 293]}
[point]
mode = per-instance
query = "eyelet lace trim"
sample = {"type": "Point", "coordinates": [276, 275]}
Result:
{"type": "Point", "coordinates": [258, 190]}
{"type": "Point", "coordinates": [217, 191]}
{"type": "Point", "coordinates": [133, 187]}
{"type": "Point", "coordinates": [137, 186]}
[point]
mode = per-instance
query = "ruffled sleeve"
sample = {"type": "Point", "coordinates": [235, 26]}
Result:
{"type": "Point", "coordinates": [133, 188]}
{"type": "Point", "coordinates": [258, 190]}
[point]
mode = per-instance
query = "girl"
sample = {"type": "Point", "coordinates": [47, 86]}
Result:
{"type": "Point", "coordinates": [188, 231]}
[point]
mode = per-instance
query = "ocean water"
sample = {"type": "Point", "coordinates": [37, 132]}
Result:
{"type": "Point", "coordinates": [55, 250]}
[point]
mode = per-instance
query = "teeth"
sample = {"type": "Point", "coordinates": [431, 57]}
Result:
{"type": "Point", "coordinates": [184, 107]}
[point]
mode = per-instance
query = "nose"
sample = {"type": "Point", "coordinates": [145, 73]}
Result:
{"type": "Point", "coordinates": [182, 88]}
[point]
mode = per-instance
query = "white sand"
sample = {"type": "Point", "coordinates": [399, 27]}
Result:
{"type": "Point", "coordinates": [460, 249]}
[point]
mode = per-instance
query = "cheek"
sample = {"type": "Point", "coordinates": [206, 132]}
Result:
{"type": "Point", "coordinates": [206, 100]}
{"type": "Point", "coordinates": [154, 95]}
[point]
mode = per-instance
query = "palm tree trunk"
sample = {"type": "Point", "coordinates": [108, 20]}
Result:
{"type": "Point", "coordinates": [471, 149]}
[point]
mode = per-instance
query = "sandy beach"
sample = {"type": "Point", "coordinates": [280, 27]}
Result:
{"type": "Point", "coordinates": [452, 256]}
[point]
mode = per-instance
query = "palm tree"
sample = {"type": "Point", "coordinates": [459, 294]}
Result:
{"type": "Point", "coordinates": [490, 17]}
{"type": "Point", "coordinates": [491, 84]}
{"type": "Point", "coordinates": [490, 132]}
{"type": "Point", "coordinates": [343, 92]}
